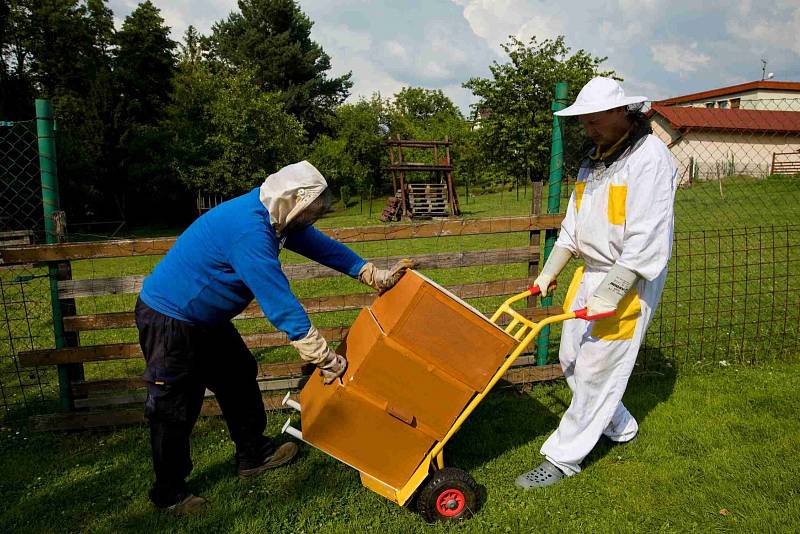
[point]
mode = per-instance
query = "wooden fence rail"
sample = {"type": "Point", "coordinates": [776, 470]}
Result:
{"type": "Point", "coordinates": [148, 247]}
{"type": "Point", "coordinates": [117, 395]}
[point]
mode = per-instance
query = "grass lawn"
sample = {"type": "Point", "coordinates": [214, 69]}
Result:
{"type": "Point", "coordinates": [718, 451]}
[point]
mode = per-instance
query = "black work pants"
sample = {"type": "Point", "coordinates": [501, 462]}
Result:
{"type": "Point", "coordinates": [183, 359]}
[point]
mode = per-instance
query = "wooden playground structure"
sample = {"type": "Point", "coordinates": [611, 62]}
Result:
{"type": "Point", "coordinates": [416, 197]}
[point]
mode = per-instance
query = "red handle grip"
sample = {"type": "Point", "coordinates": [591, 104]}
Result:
{"type": "Point", "coordinates": [535, 290]}
{"type": "Point", "coordinates": [582, 314]}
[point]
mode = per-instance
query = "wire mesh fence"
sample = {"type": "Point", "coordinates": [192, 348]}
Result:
{"type": "Point", "coordinates": [25, 313]}
{"type": "Point", "coordinates": [20, 187]}
{"type": "Point", "coordinates": [735, 164]}
{"type": "Point", "coordinates": [732, 294]}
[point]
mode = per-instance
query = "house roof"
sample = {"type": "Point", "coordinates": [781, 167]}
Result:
{"type": "Point", "coordinates": [740, 120]}
{"type": "Point", "coordinates": [767, 85]}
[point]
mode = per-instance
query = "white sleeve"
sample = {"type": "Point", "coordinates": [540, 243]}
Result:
{"type": "Point", "coordinates": [649, 217]}
{"type": "Point", "coordinates": [566, 237]}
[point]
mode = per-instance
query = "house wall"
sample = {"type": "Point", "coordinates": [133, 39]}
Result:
{"type": "Point", "coordinates": [756, 99]}
{"type": "Point", "coordinates": [663, 130]}
{"type": "Point", "coordinates": [719, 154]}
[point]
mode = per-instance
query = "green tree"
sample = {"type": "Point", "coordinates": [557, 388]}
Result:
{"type": "Point", "coordinates": [66, 43]}
{"type": "Point", "coordinates": [422, 105]}
{"type": "Point", "coordinates": [60, 46]}
{"type": "Point", "coordinates": [352, 156]}
{"type": "Point", "coordinates": [249, 136]}
{"type": "Point", "coordinates": [16, 80]}
{"type": "Point", "coordinates": [273, 38]}
{"type": "Point", "coordinates": [515, 117]}
{"type": "Point", "coordinates": [187, 113]}
{"type": "Point", "coordinates": [143, 66]}
{"type": "Point", "coordinates": [418, 113]}
{"type": "Point", "coordinates": [144, 63]}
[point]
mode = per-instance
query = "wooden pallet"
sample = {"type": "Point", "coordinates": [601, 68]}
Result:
{"type": "Point", "coordinates": [428, 200]}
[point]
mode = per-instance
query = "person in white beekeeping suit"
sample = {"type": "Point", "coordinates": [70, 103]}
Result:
{"type": "Point", "coordinates": [620, 223]}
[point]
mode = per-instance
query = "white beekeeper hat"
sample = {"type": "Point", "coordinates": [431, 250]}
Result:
{"type": "Point", "coordinates": [600, 94]}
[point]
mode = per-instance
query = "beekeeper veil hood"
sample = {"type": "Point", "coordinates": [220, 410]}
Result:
{"type": "Point", "coordinates": [289, 194]}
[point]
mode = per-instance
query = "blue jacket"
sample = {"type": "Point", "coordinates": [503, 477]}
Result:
{"type": "Point", "coordinates": [230, 255]}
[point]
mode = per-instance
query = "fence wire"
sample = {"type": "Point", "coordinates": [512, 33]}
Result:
{"type": "Point", "coordinates": [732, 293]}
{"type": "Point", "coordinates": [25, 313]}
{"type": "Point", "coordinates": [733, 296]}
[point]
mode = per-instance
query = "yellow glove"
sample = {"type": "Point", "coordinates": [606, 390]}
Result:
{"type": "Point", "coordinates": [383, 279]}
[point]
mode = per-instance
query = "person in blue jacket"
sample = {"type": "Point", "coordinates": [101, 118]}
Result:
{"type": "Point", "coordinates": [217, 266]}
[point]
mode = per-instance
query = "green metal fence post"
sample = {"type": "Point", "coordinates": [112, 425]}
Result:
{"type": "Point", "coordinates": [49, 174]}
{"type": "Point", "coordinates": [553, 205]}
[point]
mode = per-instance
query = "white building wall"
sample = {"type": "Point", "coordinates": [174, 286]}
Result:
{"type": "Point", "coordinates": [721, 154]}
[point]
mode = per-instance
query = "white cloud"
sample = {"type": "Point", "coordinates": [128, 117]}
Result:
{"type": "Point", "coordinates": [436, 70]}
{"type": "Point", "coordinates": [655, 45]}
{"type": "Point", "coordinates": [180, 14]}
{"type": "Point", "coordinates": [343, 38]}
{"type": "Point", "coordinates": [461, 97]}
{"type": "Point", "coordinates": [635, 86]}
{"type": "Point", "coordinates": [495, 20]}
{"type": "Point", "coordinates": [540, 26]}
{"type": "Point", "coordinates": [618, 33]}
{"type": "Point", "coordinates": [637, 6]}
{"type": "Point", "coordinates": [679, 58]}
{"type": "Point", "coordinates": [763, 29]}
{"type": "Point", "coordinates": [396, 50]}
{"type": "Point", "coordinates": [369, 78]}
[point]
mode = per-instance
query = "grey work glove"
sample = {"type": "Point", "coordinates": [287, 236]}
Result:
{"type": "Point", "coordinates": [313, 348]}
{"type": "Point", "coordinates": [616, 284]}
{"type": "Point", "coordinates": [555, 263]}
{"type": "Point", "coordinates": [383, 279]}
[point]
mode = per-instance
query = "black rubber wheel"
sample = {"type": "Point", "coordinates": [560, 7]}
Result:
{"type": "Point", "coordinates": [450, 494]}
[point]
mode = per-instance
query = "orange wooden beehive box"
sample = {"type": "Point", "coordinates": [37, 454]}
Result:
{"type": "Point", "coordinates": [416, 358]}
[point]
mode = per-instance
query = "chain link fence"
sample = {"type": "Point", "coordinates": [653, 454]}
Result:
{"type": "Point", "coordinates": [25, 313]}
{"type": "Point", "coordinates": [733, 294]}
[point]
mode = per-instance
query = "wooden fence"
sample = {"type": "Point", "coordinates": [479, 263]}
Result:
{"type": "Point", "coordinates": [785, 163]}
{"type": "Point", "coordinates": [112, 401]}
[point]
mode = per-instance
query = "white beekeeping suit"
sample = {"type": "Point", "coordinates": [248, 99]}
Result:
{"type": "Point", "coordinates": [623, 215]}
{"type": "Point", "coordinates": [620, 223]}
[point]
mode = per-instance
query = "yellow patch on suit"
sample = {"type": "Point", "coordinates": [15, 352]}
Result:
{"type": "Point", "coordinates": [579, 188]}
{"type": "Point", "coordinates": [616, 203]}
{"type": "Point", "coordinates": [622, 325]}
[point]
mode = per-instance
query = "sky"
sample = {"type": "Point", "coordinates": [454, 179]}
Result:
{"type": "Point", "coordinates": [661, 48]}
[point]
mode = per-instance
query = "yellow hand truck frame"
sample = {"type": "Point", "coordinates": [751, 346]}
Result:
{"type": "Point", "coordinates": [447, 494]}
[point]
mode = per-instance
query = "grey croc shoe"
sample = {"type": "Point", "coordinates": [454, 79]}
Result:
{"type": "Point", "coordinates": [545, 475]}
